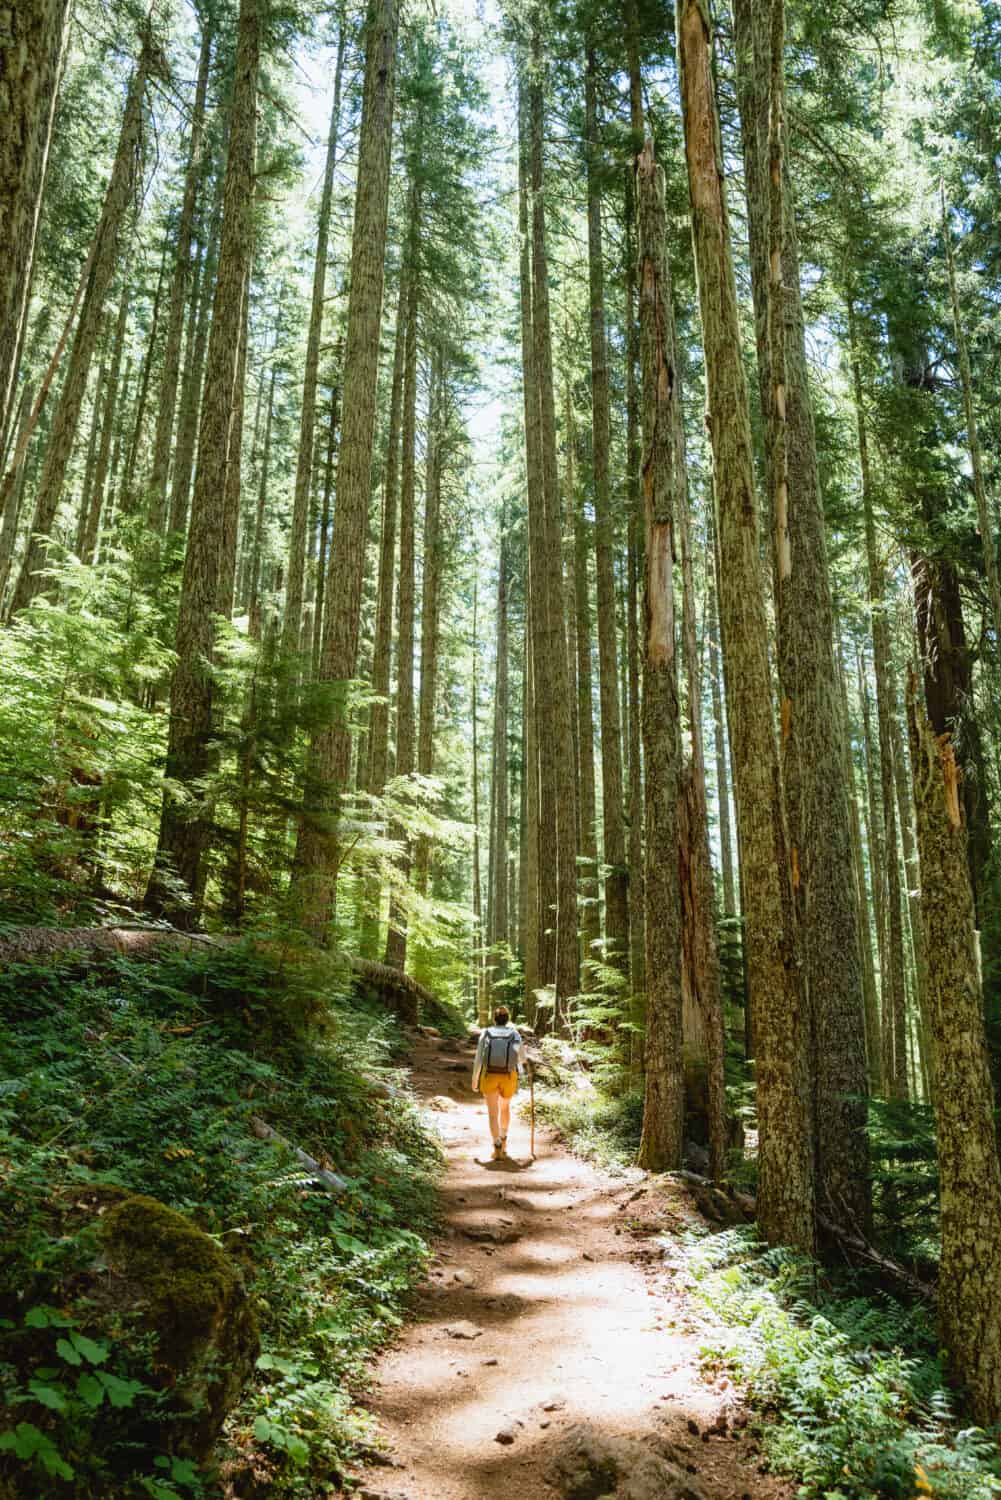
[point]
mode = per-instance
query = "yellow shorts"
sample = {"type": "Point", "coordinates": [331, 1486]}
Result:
{"type": "Point", "coordinates": [505, 1084]}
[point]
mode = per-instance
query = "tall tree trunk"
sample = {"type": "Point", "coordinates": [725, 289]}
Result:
{"type": "Point", "coordinates": [969, 1174]}
{"type": "Point", "coordinates": [179, 292]}
{"type": "Point", "coordinates": [104, 261]}
{"type": "Point", "coordinates": [183, 832]}
{"type": "Point", "coordinates": [32, 49]}
{"type": "Point", "coordinates": [330, 750]}
{"type": "Point", "coordinates": [531, 877]}
{"type": "Point", "coordinates": [396, 938]}
{"type": "Point", "coordinates": [617, 878]}
{"type": "Point", "coordinates": [12, 509]}
{"type": "Point", "coordinates": [307, 423]}
{"type": "Point", "coordinates": [482, 1013]}
{"type": "Point", "coordinates": [634, 562]}
{"type": "Point", "coordinates": [234, 461]}
{"type": "Point", "coordinates": [812, 737]}
{"type": "Point", "coordinates": [874, 1060]}
{"type": "Point", "coordinates": [635, 526]}
{"type": "Point", "coordinates": [92, 520]}
{"type": "Point", "coordinates": [701, 977]}
{"type": "Point", "coordinates": [430, 597]}
{"type": "Point", "coordinates": [894, 1062]}
{"type": "Point", "coordinates": [131, 465]}
{"type": "Point", "coordinates": [501, 932]}
{"type": "Point", "coordinates": [719, 747]}
{"type": "Point", "coordinates": [785, 1195]}
{"type": "Point", "coordinates": [324, 540]}
{"type": "Point", "coordinates": [663, 488]}
{"type": "Point", "coordinates": [591, 912]}
{"type": "Point", "coordinates": [383, 644]}
{"type": "Point", "coordinates": [199, 317]}
{"type": "Point", "coordinates": [985, 521]}
{"type": "Point", "coordinates": [97, 413]}
{"type": "Point", "coordinates": [254, 605]}
{"type": "Point", "coordinates": [559, 708]}
{"type": "Point", "coordinates": [542, 964]}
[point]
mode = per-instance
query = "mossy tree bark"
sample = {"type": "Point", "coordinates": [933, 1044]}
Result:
{"type": "Point", "coordinates": [103, 264]}
{"type": "Point", "coordinates": [32, 49]}
{"type": "Point", "coordinates": [663, 481]}
{"type": "Point", "coordinates": [184, 828]}
{"type": "Point", "coordinates": [330, 749]}
{"type": "Point", "coordinates": [785, 1196]}
{"type": "Point", "coordinates": [969, 1174]}
{"type": "Point", "coordinates": [812, 734]}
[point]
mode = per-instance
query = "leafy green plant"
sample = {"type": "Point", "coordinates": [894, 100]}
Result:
{"type": "Point", "coordinates": [123, 1078]}
{"type": "Point", "coordinates": [852, 1386]}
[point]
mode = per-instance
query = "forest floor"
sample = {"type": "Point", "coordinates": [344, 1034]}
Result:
{"type": "Point", "coordinates": [551, 1354]}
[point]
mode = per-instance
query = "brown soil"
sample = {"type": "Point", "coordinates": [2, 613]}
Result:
{"type": "Point", "coordinates": [575, 1319]}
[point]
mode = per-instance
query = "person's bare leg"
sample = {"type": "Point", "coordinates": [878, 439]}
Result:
{"type": "Point", "coordinates": [494, 1105]}
{"type": "Point", "coordinates": [505, 1119]}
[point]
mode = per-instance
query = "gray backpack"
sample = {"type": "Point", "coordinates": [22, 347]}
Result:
{"type": "Point", "coordinates": [501, 1050]}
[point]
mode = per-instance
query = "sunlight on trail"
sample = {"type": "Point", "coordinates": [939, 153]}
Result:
{"type": "Point", "coordinates": [548, 1332]}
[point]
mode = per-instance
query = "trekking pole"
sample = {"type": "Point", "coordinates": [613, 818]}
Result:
{"type": "Point", "coordinates": [531, 1089]}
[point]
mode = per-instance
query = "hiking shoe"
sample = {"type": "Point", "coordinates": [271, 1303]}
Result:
{"type": "Point", "coordinates": [499, 1151]}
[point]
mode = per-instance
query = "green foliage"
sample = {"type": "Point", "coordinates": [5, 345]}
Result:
{"type": "Point", "coordinates": [852, 1385]}
{"type": "Point", "coordinates": [601, 1124]}
{"type": "Point", "coordinates": [143, 1078]}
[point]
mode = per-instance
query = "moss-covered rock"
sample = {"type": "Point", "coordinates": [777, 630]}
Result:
{"type": "Point", "coordinates": [187, 1292]}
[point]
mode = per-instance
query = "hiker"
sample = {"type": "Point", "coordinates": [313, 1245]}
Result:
{"type": "Point", "coordinates": [500, 1061]}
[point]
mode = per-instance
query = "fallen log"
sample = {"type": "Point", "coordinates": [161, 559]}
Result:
{"type": "Point", "coordinates": [25, 945]}
{"type": "Point", "coordinates": [725, 1205]}
{"type": "Point", "coordinates": [400, 992]}
{"type": "Point", "coordinates": [330, 1180]}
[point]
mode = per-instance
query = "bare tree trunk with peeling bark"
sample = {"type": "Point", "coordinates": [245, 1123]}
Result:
{"type": "Point", "coordinates": [969, 1173]}
{"type": "Point", "coordinates": [663, 489]}
{"type": "Point", "coordinates": [785, 1196]}
{"type": "Point", "coordinates": [812, 738]}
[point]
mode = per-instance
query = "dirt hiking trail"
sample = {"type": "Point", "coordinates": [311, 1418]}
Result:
{"type": "Point", "coordinates": [550, 1356]}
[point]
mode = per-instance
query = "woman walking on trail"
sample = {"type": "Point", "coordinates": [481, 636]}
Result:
{"type": "Point", "coordinates": [500, 1060]}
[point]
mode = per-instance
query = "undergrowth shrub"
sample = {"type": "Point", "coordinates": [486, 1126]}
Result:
{"type": "Point", "coordinates": [143, 1077]}
{"type": "Point", "coordinates": [852, 1386]}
